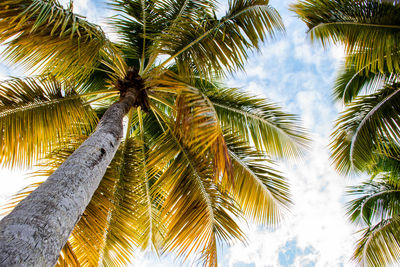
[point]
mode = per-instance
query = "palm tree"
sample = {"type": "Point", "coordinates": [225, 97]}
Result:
{"type": "Point", "coordinates": [367, 84]}
{"type": "Point", "coordinates": [181, 174]}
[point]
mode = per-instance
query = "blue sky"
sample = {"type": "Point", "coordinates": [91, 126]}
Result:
{"type": "Point", "coordinates": [299, 76]}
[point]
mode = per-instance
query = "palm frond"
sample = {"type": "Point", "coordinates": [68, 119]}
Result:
{"type": "Point", "coordinates": [43, 36]}
{"type": "Point", "coordinates": [259, 121]}
{"type": "Point", "coordinates": [259, 189]}
{"type": "Point", "coordinates": [196, 212]}
{"type": "Point", "coordinates": [134, 217]}
{"type": "Point", "coordinates": [143, 22]}
{"type": "Point", "coordinates": [139, 21]}
{"type": "Point", "coordinates": [379, 245]}
{"type": "Point", "coordinates": [376, 200]}
{"type": "Point", "coordinates": [351, 82]}
{"type": "Point", "coordinates": [370, 123]}
{"type": "Point", "coordinates": [386, 163]}
{"type": "Point", "coordinates": [369, 30]}
{"type": "Point", "coordinates": [210, 45]}
{"type": "Point", "coordinates": [35, 114]}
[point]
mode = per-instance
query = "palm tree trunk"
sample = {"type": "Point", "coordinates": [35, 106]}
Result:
{"type": "Point", "coordinates": [34, 233]}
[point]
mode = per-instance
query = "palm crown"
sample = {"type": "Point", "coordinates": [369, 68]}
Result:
{"type": "Point", "coordinates": [196, 155]}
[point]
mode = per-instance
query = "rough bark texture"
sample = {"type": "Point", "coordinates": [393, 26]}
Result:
{"type": "Point", "coordinates": [34, 233]}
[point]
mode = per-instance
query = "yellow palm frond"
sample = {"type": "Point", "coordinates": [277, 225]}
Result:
{"type": "Point", "coordinates": [197, 212]}
{"type": "Point", "coordinates": [134, 220]}
{"type": "Point", "coordinates": [260, 190]}
{"type": "Point", "coordinates": [37, 113]}
{"type": "Point", "coordinates": [43, 36]}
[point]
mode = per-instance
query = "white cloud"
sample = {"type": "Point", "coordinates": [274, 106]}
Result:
{"type": "Point", "coordinates": [10, 183]}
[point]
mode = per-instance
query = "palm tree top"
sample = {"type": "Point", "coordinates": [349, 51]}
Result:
{"type": "Point", "coordinates": [196, 156]}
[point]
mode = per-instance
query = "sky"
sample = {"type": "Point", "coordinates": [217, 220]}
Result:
{"type": "Point", "coordinates": [299, 76]}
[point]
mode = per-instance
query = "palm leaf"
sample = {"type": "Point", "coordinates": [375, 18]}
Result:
{"type": "Point", "coordinates": [379, 245]}
{"type": "Point", "coordinates": [369, 30]}
{"type": "Point", "coordinates": [375, 201]}
{"type": "Point", "coordinates": [370, 123]}
{"type": "Point", "coordinates": [260, 122]}
{"type": "Point", "coordinates": [42, 35]}
{"type": "Point", "coordinates": [351, 83]}
{"type": "Point", "coordinates": [133, 221]}
{"type": "Point", "coordinates": [387, 163]}
{"type": "Point", "coordinates": [261, 192]}
{"type": "Point", "coordinates": [35, 114]}
{"type": "Point", "coordinates": [143, 22]}
{"type": "Point", "coordinates": [209, 45]}
{"type": "Point", "coordinates": [196, 211]}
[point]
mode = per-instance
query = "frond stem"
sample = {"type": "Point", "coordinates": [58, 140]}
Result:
{"type": "Point", "coordinates": [251, 115]}
{"type": "Point", "coordinates": [239, 161]}
{"type": "Point", "coordinates": [196, 174]}
{"type": "Point", "coordinates": [146, 177]}
{"type": "Point", "coordinates": [144, 38]}
{"type": "Point", "coordinates": [355, 24]}
{"type": "Point", "coordinates": [374, 196]}
{"type": "Point", "coordinates": [365, 119]}
{"type": "Point", "coordinates": [115, 190]}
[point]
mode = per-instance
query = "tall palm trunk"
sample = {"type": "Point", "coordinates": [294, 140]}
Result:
{"type": "Point", "coordinates": [34, 233]}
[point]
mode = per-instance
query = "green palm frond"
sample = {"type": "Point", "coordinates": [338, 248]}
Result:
{"type": "Point", "coordinates": [377, 206]}
{"type": "Point", "coordinates": [376, 200]}
{"type": "Point", "coordinates": [210, 45]}
{"type": "Point", "coordinates": [387, 163]}
{"type": "Point", "coordinates": [370, 123]}
{"type": "Point", "coordinates": [37, 113]}
{"type": "Point", "coordinates": [143, 22]}
{"type": "Point", "coordinates": [369, 30]}
{"type": "Point", "coordinates": [259, 121]}
{"type": "Point", "coordinates": [139, 20]}
{"type": "Point", "coordinates": [351, 83]}
{"type": "Point", "coordinates": [190, 33]}
{"type": "Point", "coordinates": [379, 244]}
{"type": "Point", "coordinates": [42, 35]}
{"type": "Point", "coordinates": [259, 189]}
